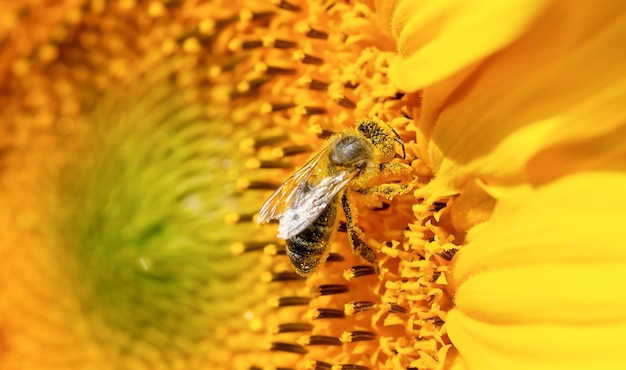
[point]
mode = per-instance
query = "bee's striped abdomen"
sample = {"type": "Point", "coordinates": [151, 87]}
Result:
{"type": "Point", "coordinates": [306, 250]}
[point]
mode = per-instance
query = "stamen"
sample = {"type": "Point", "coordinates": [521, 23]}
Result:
{"type": "Point", "coordinates": [357, 336]}
{"type": "Point", "coordinates": [279, 43]}
{"type": "Point", "coordinates": [213, 26]}
{"type": "Point", "coordinates": [396, 308]}
{"type": "Point", "coordinates": [447, 255]}
{"type": "Point", "coordinates": [274, 250]}
{"type": "Point", "coordinates": [250, 143]}
{"type": "Point", "coordinates": [244, 184]}
{"type": "Point", "coordinates": [234, 218]}
{"type": "Point", "coordinates": [250, 246]}
{"type": "Point", "coordinates": [251, 85]}
{"type": "Point", "coordinates": [246, 15]}
{"type": "Point", "coordinates": [288, 347]}
{"type": "Point", "coordinates": [285, 276]}
{"type": "Point", "coordinates": [329, 289]}
{"type": "Point", "coordinates": [346, 103]}
{"type": "Point", "coordinates": [319, 340]}
{"type": "Point", "coordinates": [385, 206]}
{"type": "Point", "coordinates": [310, 111]}
{"type": "Point", "coordinates": [282, 4]}
{"type": "Point", "coordinates": [334, 257]}
{"type": "Point", "coordinates": [249, 45]}
{"type": "Point", "coordinates": [311, 32]}
{"type": "Point", "coordinates": [325, 313]}
{"type": "Point", "coordinates": [438, 206]}
{"type": "Point", "coordinates": [350, 367]}
{"type": "Point", "coordinates": [318, 365]}
{"type": "Point", "coordinates": [294, 150]}
{"type": "Point", "coordinates": [311, 83]}
{"type": "Point", "coordinates": [343, 227]}
{"type": "Point", "coordinates": [255, 163]}
{"type": "Point", "coordinates": [304, 58]}
{"type": "Point", "coordinates": [325, 134]}
{"type": "Point", "coordinates": [289, 301]}
{"type": "Point", "coordinates": [355, 307]}
{"type": "Point", "coordinates": [275, 107]}
{"type": "Point", "coordinates": [357, 271]}
{"type": "Point", "coordinates": [273, 70]}
{"type": "Point", "coordinates": [293, 327]}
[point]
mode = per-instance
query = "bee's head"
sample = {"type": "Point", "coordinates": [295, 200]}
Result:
{"type": "Point", "coordinates": [382, 137]}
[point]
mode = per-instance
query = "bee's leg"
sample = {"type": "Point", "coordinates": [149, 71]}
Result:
{"type": "Point", "coordinates": [355, 233]}
{"type": "Point", "coordinates": [387, 190]}
{"type": "Point", "coordinates": [397, 169]}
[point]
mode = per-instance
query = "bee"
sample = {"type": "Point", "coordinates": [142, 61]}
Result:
{"type": "Point", "coordinates": [306, 204]}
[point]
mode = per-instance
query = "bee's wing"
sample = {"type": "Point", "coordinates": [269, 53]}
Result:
{"type": "Point", "coordinates": [282, 199]}
{"type": "Point", "coordinates": [310, 202]}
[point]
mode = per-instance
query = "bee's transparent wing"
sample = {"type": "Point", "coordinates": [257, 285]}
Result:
{"type": "Point", "coordinates": [310, 202]}
{"type": "Point", "coordinates": [282, 199]}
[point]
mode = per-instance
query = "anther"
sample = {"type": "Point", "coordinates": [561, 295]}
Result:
{"type": "Point", "coordinates": [358, 271]}
{"type": "Point", "coordinates": [249, 45]}
{"type": "Point", "coordinates": [329, 289]}
{"type": "Point", "coordinates": [318, 365]}
{"type": "Point", "coordinates": [250, 246]}
{"type": "Point", "coordinates": [311, 83]}
{"type": "Point", "coordinates": [350, 367]}
{"type": "Point", "coordinates": [250, 143]}
{"type": "Point", "coordinates": [276, 107]}
{"type": "Point", "coordinates": [273, 70]}
{"type": "Point", "coordinates": [304, 58]}
{"type": "Point", "coordinates": [309, 111]}
{"type": "Point", "coordinates": [294, 150]}
{"type": "Point", "coordinates": [396, 308]}
{"type": "Point", "coordinates": [211, 26]}
{"type": "Point", "coordinates": [246, 15]}
{"type": "Point", "coordinates": [447, 255]}
{"type": "Point", "coordinates": [334, 257]}
{"type": "Point", "coordinates": [293, 327]}
{"type": "Point", "coordinates": [311, 32]}
{"type": "Point", "coordinates": [255, 163]}
{"type": "Point", "coordinates": [234, 218]}
{"type": "Point", "coordinates": [289, 301]}
{"type": "Point", "coordinates": [355, 307]}
{"type": "Point", "coordinates": [357, 336]}
{"type": "Point", "coordinates": [346, 103]}
{"type": "Point", "coordinates": [325, 313]}
{"type": "Point", "coordinates": [274, 250]}
{"type": "Point", "coordinates": [284, 44]}
{"type": "Point", "coordinates": [343, 227]}
{"type": "Point", "coordinates": [285, 276]}
{"type": "Point", "coordinates": [319, 340]}
{"type": "Point", "coordinates": [285, 5]}
{"type": "Point", "coordinates": [288, 347]}
{"type": "Point", "coordinates": [384, 206]}
{"type": "Point", "coordinates": [243, 184]}
{"type": "Point", "coordinates": [325, 134]}
{"type": "Point", "coordinates": [438, 206]}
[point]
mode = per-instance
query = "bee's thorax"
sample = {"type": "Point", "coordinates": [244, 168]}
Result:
{"type": "Point", "coordinates": [350, 151]}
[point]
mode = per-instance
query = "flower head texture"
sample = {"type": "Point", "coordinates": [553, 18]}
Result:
{"type": "Point", "coordinates": [139, 139]}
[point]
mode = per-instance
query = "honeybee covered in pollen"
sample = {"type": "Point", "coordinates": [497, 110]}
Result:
{"type": "Point", "coordinates": [306, 205]}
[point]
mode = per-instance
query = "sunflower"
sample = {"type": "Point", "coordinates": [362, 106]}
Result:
{"type": "Point", "coordinates": [140, 138]}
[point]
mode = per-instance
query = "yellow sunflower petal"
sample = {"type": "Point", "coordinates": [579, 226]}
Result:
{"type": "Point", "coordinates": [561, 84]}
{"type": "Point", "coordinates": [437, 38]}
{"type": "Point", "coordinates": [540, 284]}
{"type": "Point", "coordinates": [537, 346]}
